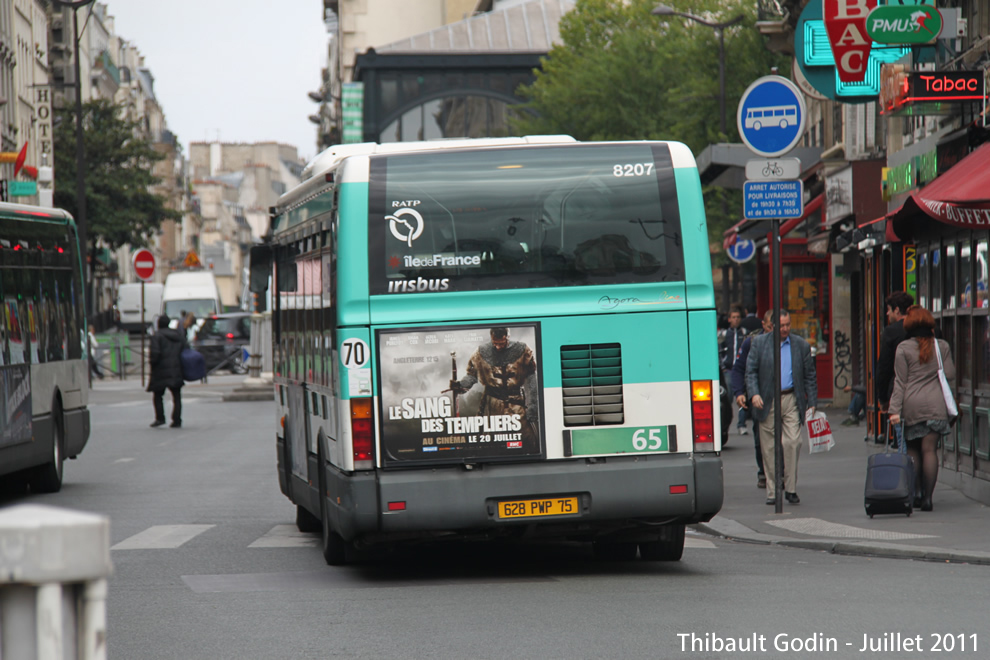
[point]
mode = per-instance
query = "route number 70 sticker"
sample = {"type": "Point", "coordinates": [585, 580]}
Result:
{"type": "Point", "coordinates": [354, 353]}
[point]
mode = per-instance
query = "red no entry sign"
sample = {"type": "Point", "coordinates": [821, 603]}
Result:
{"type": "Point", "coordinates": [144, 264]}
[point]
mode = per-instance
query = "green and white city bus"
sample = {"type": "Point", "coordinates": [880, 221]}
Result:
{"type": "Point", "coordinates": [509, 337]}
{"type": "Point", "coordinates": [44, 379]}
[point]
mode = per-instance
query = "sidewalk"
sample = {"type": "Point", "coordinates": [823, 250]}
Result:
{"type": "Point", "coordinates": [831, 516]}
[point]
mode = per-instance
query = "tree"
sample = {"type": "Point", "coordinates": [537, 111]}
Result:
{"type": "Point", "coordinates": [623, 74]}
{"type": "Point", "coordinates": [120, 207]}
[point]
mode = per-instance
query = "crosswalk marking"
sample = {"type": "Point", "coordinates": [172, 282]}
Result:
{"type": "Point", "coordinates": [286, 536]}
{"type": "Point", "coordinates": [123, 460]}
{"type": "Point", "coordinates": [162, 536]}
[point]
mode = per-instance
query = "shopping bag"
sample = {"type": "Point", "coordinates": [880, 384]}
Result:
{"type": "Point", "coordinates": [193, 365]}
{"type": "Point", "coordinates": [819, 433]}
{"type": "Point", "coordinates": [950, 402]}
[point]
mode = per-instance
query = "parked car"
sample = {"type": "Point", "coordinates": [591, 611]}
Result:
{"type": "Point", "coordinates": [223, 340]}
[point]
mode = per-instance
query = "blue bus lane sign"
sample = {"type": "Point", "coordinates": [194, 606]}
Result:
{"type": "Point", "coordinates": [771, 116]}
{"type": "Point", "coordinates": [764, 200]}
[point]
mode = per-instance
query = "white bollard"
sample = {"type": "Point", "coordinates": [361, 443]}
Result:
{"type": "Point", "coordinates": [54, 565]}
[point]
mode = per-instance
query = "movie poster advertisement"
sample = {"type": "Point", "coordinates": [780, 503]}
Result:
{"type": "Point", "coordinates": [15, 405]}
{"type": "Point", "coordinates": [460, 393]}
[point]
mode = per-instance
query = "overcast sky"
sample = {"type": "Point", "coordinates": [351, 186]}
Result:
{"type": "Point", "coordinates": [234, 69]}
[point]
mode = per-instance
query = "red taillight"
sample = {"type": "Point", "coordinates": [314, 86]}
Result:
{"type": "Point", "coordinates": [678, 490]}
{"type": "Point", "coordinates": [362, 434]}
{"type": "Point", "coordinates": [702, 415]}
{"type": "Point", "coordinates": [230, 335]}
{"type": "Point", "coordinates": [396, 506]}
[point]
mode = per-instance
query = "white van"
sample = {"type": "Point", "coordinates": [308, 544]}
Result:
{"type": "Point", "coordinates": [191, 291]}
{"type": "Point", "coordinates": [129, 305]}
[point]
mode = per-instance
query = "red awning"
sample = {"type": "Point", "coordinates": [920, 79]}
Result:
{"type": "Point", "coordinates": [960, 197]}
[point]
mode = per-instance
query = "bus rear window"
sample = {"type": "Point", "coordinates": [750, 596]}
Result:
{"type": "Point", "coordinates": [523, 218]}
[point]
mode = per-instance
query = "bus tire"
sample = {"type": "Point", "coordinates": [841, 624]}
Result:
{"type": "Point", "coordinates": [306, 522]}
{"type": "Point", "coordinates": [48, 477]}
{"type": "Point", "coordinates": [668, 547]}
{"type": "Point", "coordinates": [336, 550]}
{"type": "Point", "coordinates": [614, 551]}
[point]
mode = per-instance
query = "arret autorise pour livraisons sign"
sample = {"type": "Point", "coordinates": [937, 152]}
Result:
{"type": "Point", "coordinates": [460, 393]}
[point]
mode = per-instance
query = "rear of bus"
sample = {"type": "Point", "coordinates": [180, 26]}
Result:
{"type": "Point", "coordinates": [540, 332]}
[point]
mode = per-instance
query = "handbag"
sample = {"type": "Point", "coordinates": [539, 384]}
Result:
{"type": "Point", "coordinates": [950, 402]}
{"type": "Point", "coordinates": [819, 433]}
{"type": "Point", "coordinates": [193, 365]}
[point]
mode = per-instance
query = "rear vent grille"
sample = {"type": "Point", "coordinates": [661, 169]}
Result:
{"type": "Point", "coordinates": [592, 384]}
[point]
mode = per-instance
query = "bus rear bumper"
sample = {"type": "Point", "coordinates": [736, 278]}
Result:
{"type": "Point", "coordinates": [615, 494]}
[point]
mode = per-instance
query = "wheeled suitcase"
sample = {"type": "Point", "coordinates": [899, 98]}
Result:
{"type": "Point", "coordinates": [889, 481]}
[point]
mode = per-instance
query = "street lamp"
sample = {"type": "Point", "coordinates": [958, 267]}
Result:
{"type": "Point", "coordinates": [75, 5]}
{"type": "Point", "coordinates": [664, 10]}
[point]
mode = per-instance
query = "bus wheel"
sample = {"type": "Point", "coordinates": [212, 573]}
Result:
{"type": "Point", "coordinates": [757, 126]}
{"type": "Point", "coordinates": [668, 547]}
{"type": "Point", "coordinates": [305, 521]}
{"type": "Point", "coordinates": [611, 551]}
{"type": "Point", "coordinates": [48, 477]}
{"type": "Point", "coordinates": [335, 549]}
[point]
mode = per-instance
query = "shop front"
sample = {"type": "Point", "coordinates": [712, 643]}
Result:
{"type": "Point", "coordinates": [948, 223]}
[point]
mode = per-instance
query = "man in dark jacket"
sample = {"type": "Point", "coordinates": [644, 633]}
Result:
{"type": "Point", "coordinates": [166, 371]}
{"type": "Point", "coordinates": [897, 306]}
{"type": "Point", "coordinates": [739, 392]}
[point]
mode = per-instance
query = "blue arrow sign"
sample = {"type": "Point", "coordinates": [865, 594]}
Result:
{"type": "Point", "coordinates": [742, 250]}
{"type": "Point", "coordinates": [763, 200]}
{"type": "Point", "coordinates": [771, 116]}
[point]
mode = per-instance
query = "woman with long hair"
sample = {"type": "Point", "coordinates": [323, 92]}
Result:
{"type": "Point", "coordinates": [917, 398]}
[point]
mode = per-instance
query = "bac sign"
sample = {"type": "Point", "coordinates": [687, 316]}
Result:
{"type": "Point", "coordinates": [845, 23]}
{"type": "Point", "coordinates": [144, 265]}
{"type": "Point", "coordinates": [771, 116]}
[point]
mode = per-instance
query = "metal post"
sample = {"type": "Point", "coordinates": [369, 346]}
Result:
{"type": "Point", "coordinates": [778, 448]}
{"type": "Point", "coordinates": [721, 80]}
{"type": "Point", "coordinates": [144, 331]}
{"type": "Point", "coordinates": [80, 172]}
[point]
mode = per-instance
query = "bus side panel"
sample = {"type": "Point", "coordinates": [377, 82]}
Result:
{"type": "Point", "coordinates": [352, 240]}
{"type": "Point", "coordinates": [697, 259]}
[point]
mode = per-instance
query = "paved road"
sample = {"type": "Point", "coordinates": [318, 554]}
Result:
{"type": "Point", "coordinates": [208, 565]}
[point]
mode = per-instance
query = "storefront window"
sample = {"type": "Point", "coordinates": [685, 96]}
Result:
{"type": "Point", "coordinates": [949, 286]}
{"type": "Point", "coordinates": [936, 281]}
{"type": "Point", "coordinates": [806, 298]}
{"type": "Point", "coordinates": [982, 325]}
{"type": "Point", "coordinates": [965, 286]}
{"type": "Point", "coordinates": [964, 356]}
{"type": "Point", "coordinates": [981, 273]}
{"type": "Point", "coordinates": [923, 280]}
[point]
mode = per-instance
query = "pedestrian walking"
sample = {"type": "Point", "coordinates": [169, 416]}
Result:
{"type": "Point", "coordinates": [752, 324]}
{"type": "Point", "coordinates": [94, 353]}
{"type": "Point", "coordinates": [799, 396]}
{"type": "Point", "coordinates": [735, 334]}
{"type": "Point", "coordinates": [166, 371]}
{"type": "Point", "coordinates": [739, 393]}
{"type": "Point", "coordinates": [897, 303]}
{"type": "Point", "coordinates": [917, 398]}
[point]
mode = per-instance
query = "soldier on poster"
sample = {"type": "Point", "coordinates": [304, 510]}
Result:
{"type": "Point", "coordinates": [507, 371]}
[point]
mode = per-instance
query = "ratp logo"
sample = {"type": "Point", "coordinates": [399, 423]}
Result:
{"type": "Point", "coordinates": [403, 229]}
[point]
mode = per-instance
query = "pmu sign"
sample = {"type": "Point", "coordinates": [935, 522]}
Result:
{"type": "Point", "coordinates": [845, 23]}
{"type": "Point", "coordinates": [904, 24]}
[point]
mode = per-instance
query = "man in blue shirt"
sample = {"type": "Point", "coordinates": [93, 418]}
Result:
{"type": "Point", "coordinates": [799, 396]}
